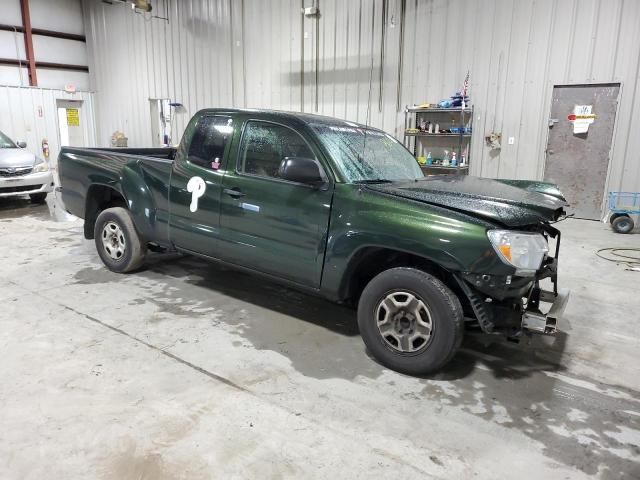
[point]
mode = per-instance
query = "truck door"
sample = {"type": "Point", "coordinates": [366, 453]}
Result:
{"type": "Point", "coordinates": [267, 223]}
{"type": "Point", "coordinates": [196, 181]}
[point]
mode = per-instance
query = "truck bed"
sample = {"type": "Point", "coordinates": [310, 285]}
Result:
{"type": "Point", "coordinates": [120, 172]}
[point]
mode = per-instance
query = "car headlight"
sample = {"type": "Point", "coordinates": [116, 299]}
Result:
{"type": "Point", "coordinates": [523, 250]}
{"type": "Point", "coordinates": [40, 166]}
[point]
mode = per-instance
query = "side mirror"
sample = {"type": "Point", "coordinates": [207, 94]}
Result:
{"type": "Point", "coordinates": [301, 170]}
{"type": "Point", "coordinates": [21, 144]}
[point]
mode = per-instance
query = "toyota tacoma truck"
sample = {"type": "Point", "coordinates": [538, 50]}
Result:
{"type": "Point", "coordinates": [338, 209]}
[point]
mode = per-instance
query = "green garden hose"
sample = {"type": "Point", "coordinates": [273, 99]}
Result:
{"type": "Point", "coordinates": [613, 254]}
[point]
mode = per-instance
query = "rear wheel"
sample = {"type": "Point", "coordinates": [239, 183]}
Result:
{"type": "Point", "coordinates": [38, 197]}
{"type": "Point", "coordinates": [622, 224]}
{"type": "Point", "coordinates": [117, 241]}
{"type": "Point", "coordinates": [410, 321]}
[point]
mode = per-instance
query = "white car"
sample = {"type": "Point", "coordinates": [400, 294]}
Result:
{"type": "Point", "coordinates": [22, 172]}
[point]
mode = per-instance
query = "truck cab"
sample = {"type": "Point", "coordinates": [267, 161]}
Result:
{"type": "Point", "coordinates": [240, 207]}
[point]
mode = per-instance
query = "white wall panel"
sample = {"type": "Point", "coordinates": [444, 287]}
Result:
{"type": "Point", "coordinates": [57, 79]}
{"type": "Point", "coordinates": [12, 45]}
{"type": "Point", "coordinates": [58, 15]}
{"type": "Point", "coordinates": [59, 50]}
{"type": "Point", "coordinates": [10, 75]}
{"type": "Point", "coordinates": [10, 12]}
{"type": "Point", "coordinates": [266, 54]}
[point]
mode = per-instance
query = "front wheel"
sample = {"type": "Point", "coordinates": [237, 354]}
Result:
{"type": "Point", "coordinates": [410, 321]}
{"type": "Point", "coordinates": [117, 241]}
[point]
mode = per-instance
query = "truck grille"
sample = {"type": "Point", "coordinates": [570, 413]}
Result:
{"type": "Point", "coordinates": [15, 171]}
{"type": "Point", "coordinates": [26, 188]}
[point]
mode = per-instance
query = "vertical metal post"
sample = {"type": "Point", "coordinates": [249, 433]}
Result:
{"type": "Point", "coordinates": [383, 37]}
{"type": "Point", "coordinates": [403, 10]}
{"type": "Point", "coordinates": [317, 40]}
{"type": "Point", "coordinates": [28, 42]}
{"type": "Point", "coordinates": [302, 56]}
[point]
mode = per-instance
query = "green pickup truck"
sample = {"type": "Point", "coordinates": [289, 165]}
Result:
{"type": "Point", "coordinates": [340, 210]}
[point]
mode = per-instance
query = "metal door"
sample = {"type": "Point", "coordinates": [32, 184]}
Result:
{"type": "Point", "coordinates": [269, 224]}
{"type": "Point", "coordinates": [578, 162]}
{"type": "Point", "coordinates": [70, 123]}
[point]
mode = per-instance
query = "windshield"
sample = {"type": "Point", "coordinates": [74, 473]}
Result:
{"type": "Point", "coordinates": [6, 142]}
{"type": "Point", "coordinates": [384, 159]}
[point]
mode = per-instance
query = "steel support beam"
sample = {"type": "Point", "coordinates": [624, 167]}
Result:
{"type": "Point", "coordinates": [44, 32]}
{"type": "Point", "coordinates": [28, 42]}
{"type": "Point", "coordinates": [51, 65]}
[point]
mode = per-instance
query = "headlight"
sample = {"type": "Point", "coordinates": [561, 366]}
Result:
{"type": "Point", "coordinates": [523, 250]}
{"type": "Point", "coordinates": [40, 166]}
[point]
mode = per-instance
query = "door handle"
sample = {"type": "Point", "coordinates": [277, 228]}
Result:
{"type": "Point", "coordinates": [233, 192]}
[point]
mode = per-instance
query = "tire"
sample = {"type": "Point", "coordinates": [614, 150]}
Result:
{"type": "Point", "coordinates": [622, 224]}
{"type": "Point", "coordinates": [430, 348]}
{"type": "Point", "coordinates": [118, 243]}
{"type": "Point", "coordinates": [38, 198]}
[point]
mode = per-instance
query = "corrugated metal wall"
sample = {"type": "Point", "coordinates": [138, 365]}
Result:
{"type": "Point", "coordinates": [258, 53]}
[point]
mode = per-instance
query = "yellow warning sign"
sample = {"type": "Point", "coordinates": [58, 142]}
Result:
{"type": "Point", "coordinates": [73, 119]}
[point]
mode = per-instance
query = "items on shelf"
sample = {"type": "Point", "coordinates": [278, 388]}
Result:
{"type": "Point", "coordinates": [455, 101]}
{"type": "Point", "coordinates": [445, 160]}
{"type": "Point", "coordinates": [444, 134]}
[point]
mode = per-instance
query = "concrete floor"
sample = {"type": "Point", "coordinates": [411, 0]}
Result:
{"type": "Point", "coordinates": [190, 370]}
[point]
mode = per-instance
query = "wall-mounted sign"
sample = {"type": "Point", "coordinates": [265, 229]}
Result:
{"type": "Point", "coordinates": [581, 118]}
{"type": "Point", "coordinates": [73, 119]}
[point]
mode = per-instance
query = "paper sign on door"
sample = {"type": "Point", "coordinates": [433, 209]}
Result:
{"type": "Point", "coordinates": [73, 119]}
{"type": "Point", "coordinates": [582, 117]}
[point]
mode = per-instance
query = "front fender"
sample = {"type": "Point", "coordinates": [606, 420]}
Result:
{"type": "Point", "coordinates": [362, 218]}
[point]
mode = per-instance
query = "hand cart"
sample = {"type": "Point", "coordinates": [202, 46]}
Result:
{"type": "Point", "coordinates": [621, 206]}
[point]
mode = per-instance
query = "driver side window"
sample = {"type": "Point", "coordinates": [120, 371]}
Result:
{"type": "Point", "coordinates": [265, 145]}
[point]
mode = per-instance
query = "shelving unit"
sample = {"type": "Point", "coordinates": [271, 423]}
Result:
{"type": "Point", "coordinates": [420, 143]}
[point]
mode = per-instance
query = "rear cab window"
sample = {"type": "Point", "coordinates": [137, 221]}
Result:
{"type": "Point", "coordinates": [209, 141]}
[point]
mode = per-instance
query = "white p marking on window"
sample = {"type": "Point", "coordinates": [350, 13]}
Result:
{"type": "Point", "coordinates": [196, 187]}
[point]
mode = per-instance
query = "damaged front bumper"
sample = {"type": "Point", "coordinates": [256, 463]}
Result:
{"type": "Point", "coordinates": [516, 305]}
{"type": "Point", "coordinates": [534, 321]}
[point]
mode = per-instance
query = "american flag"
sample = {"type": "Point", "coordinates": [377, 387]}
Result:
{"type": "Point", "coordinates": [465, 87]}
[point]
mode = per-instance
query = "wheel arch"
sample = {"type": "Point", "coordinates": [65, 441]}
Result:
{"type": "Point", "coordinates": [100, 197]}
{"type": "Point", "coordinates": [369, 261]}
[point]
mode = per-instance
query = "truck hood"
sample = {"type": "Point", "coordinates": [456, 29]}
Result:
{"type": "Point", "coordinates": [16, 157]}
{"type": "Point", "coordinates": [501, 201]}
